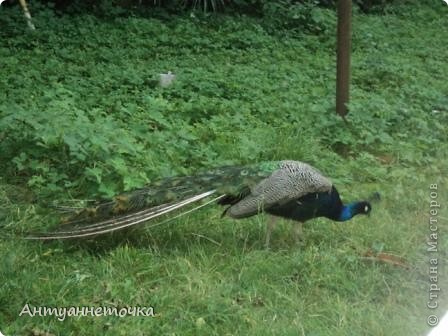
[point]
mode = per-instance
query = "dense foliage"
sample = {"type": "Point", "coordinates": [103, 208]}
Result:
{"type": "Point", "coordinates": [258, 7]}
{"type": "Point", "coordinates": [82, 116]}
{"type": "Point", "coordinates": [81, 112]}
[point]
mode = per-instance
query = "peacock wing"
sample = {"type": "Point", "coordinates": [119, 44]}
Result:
{"type": "Point", "coordinates": [292, 180]}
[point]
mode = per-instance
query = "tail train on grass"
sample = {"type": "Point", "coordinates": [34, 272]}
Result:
{"type": "Point", "coordinates": [289, 189]}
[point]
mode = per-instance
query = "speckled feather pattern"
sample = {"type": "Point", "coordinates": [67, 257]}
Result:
{"type": "Point", "coordinates": [292, 180]}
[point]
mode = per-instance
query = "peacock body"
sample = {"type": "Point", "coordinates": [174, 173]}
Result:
{"type": "Point", "coordinates": [289, 189]}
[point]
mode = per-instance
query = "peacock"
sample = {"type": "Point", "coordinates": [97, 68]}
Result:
{"type": "Point", "coordinates": [288, 189]}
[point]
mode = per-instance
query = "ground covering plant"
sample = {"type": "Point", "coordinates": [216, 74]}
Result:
{"type": "Point", "coordinates": [82, 117]}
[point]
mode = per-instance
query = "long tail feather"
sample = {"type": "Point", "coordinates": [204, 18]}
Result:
{"type": "Point", "coordinates": [123, 221]}
{"type": "Point", "coordinates": [71, 209]}
{"type": "Point", "coordinates": [159, 198]}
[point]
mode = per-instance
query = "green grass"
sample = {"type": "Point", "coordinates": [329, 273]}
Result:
{"type": "Point", "coordinates": [81, 117]}
{"type": "Point", "coordinates": [218, 271]}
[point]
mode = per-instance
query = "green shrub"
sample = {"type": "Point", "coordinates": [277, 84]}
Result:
{"type": "Point", "coordinates": [86, 118]}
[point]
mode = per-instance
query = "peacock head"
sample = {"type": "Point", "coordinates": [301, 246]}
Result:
{"type": "Point", "coordinates": [353, 209]}
{"type": "Point", "coordinates": [362, 208]}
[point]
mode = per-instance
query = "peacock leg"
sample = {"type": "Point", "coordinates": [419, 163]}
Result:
{"type": "Point", "coordinates": [297, 232]}
{"type": "Point", "coordinates": [271, 222]}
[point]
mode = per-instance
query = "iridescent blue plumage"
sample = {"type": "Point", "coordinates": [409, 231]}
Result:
{"type": "Point", "coordinates": [346, 212]}
{"type": "Point", "coordinates": [321, 204]}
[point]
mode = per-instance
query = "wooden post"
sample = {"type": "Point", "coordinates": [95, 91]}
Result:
{"type": "Point", "coordinates": [343, 56]}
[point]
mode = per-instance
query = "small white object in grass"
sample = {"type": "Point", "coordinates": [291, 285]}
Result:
{"type": "Point", "coordinates": [167, 79]}
{"type": "Point", "coordinates": [442, 327]}
{"type": "Point", "coordinates": [1, 1]}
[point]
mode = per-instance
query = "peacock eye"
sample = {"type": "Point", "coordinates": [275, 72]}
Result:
{"type": "Point", "coordinates": [366, 208]}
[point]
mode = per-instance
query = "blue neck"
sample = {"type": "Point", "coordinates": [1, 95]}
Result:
{"type": "Point", "coordinates": [347, 212]}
